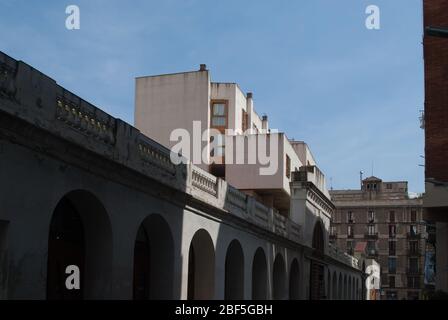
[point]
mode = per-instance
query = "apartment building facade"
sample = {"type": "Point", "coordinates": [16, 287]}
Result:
{"type": "Point", "coordinates": [435, 124]}
{"type": "Point", "coordinates": [189, 100]}
{"type": "Point", "coordinates": [382, 216]}
{"type": "Point", "coordinates": [170, 105]}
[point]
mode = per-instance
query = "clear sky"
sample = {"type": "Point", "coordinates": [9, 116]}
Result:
{"type": "Point", "coordinates": [351, 93]}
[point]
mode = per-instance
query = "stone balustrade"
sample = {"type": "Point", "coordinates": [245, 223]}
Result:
{"type": "Point", "coordinates": [31, 96]}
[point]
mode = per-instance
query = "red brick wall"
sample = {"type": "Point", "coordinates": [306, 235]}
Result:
{"type": "Point", "coordinates": [436, 92]}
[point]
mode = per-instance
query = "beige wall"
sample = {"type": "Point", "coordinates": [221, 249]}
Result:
{"type": "Point", "coordinates": [167, 102]}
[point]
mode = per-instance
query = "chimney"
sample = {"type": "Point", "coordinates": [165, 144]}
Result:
{"type": "Point", "coordinates": [264, 121]}
{"type": "Point", "coordinates": [203, 67]}
{"type": "Point", "coordinates": [249, 110]}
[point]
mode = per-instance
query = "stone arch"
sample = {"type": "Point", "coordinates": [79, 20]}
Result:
{"type": "Point", "coordinates": [201, 267]}
{"type": "Point", "coordinates": [349, 291]}
{"type": "Point", "coordinates": [153, 260]}
{"type": "Point", "coordinates": [344, 296]}
{"type": "Point", "coordinates": [318, 238]}
{"type": "Point", "coordinates": [259, 276]}
{"type": "Point", "coordinates": [334, 287]}
{"type": "Point", "coordinates": [80, 234]}
{"type": "Point", "coordinates": [234, 272]}
{"type": "Point", "coordinates": [294, 281]}
{"type": "Point", "coordinates": [340, 287]}
{"type": "Point", "coordinates": [279, 278]}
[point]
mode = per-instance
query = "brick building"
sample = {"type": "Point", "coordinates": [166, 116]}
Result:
{"type": "Point", "coordinates": [383, 216]}
{"type": "Point", "coordinates": [436, 129]}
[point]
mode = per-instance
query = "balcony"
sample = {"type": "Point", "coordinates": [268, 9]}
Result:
{"type": "Point", "coordinates": [413, 271]}
{"type": "Point", "coordinates": [413, 235]}
{"type": "Point", "coordinates": [333, 235]}
{"type": "Point", "coordinates": [370, 235]}
{"type": "Point", "coordinates": [413, 252]}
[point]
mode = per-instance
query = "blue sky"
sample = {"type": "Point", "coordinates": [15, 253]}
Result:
{"type": "Point", "coordinates": [353, 94]}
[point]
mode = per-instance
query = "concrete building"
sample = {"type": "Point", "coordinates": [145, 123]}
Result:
{"type": "Point", "coordinates": [80, 187]}
{"type": "Point", "coordinates": [382, 215]}
{"type": "Point", "coordinates": [435, 124]}
{"type": "Point", "coordinates": [165, 103]}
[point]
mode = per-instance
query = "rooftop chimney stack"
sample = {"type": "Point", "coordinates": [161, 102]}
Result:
{"type": "Point", "coordinates": [203, 67]}
{"type": "Point", "coordinates": [264, 121]}
{"type": "Point", "coordinates": [249, 110]}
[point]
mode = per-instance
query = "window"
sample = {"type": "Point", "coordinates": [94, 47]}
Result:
{"type": "Point", "coordinates": [413, 247]}
{"type": "Point", "coordinates": [391, 282]}
{"type": "Point", "coordinates": [218, 149]}
{"type": "Point", "coordinates": [350, 217]}
{"type": "Point", "coordinates": [392, 264]}
{"type": "Point", "coordinates": [414, 282]}
{"type": "Point", "coordinates": [350, 231]}
{"type": "Point", "coordinates": [371, 216]}
{"type": "Point", "coordinates": [333, 231]}
{"type": "Point", "coordinates": [371, 230]}
{"type": "Point", "coordinates": [288, 167]}
{"type": "Point", "coordinates": [219, 115]}
{"type": "Point", "coordinates": [245, 121]}
{"type": "Point", "coordinates": [392, 231]}
{"type": "Point", "coordinates": [413, 265]}
{"type": "Point", "coordinates": [389, 186]}
{"type": "Point", "coordinates": [392, 216]}
{"type": "Point", "coordinates": [371, 247]}
{"type": "Point", "coordinates": [392, 247]}
{"type": "Point", "coordinates": [413, 216]}
{"type": "Point", "coordinates": [384, 279]}
{"type": "Point", "coordinates": [413, 230]}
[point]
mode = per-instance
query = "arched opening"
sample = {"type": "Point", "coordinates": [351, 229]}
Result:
{"type": "Point", "coordinates": [80, 234]}
{"type": "Point", "coordinates": [328, 285]}
{"type": "Point", "coordinates": [317, 275]}
{"type": "Point", "coordinates": [334, 287]}
{"type": "Point", "coordinates": [259, 276]}
{"type": "Point", "coordinates": [279, 278]}
{"type": "Point", "coordinates": [294, 281]}
{"type": "Point", "coordinates": [340, 288]}
{"type": "Point", "coordinates": [349, 288]}
{"type": "Point", "coordinates": [345, 288]}
{"type": "Point", "coordinates": [153, 260]}
{"type": "Point", "coordinates": [318, 238]}
{"type": "Point", "coordinates": [201, 267]}
{"type": "Point", "coordinates": [357, 289]}
{"type": "Point", "coordinates": [234, 272]}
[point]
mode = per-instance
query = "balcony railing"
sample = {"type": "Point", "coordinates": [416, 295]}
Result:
{"type": "Point", "coordinates": [413, 235]}
{"type": "Point", "coordinates": [371, 235]}
{"type": "Point", "coordinates": [413, 252]}
{"type": "Point", "coordinates": [412, 271]}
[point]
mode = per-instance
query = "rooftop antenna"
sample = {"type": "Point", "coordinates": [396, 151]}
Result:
{"type": "Point", "coordinates": [331, 183]}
